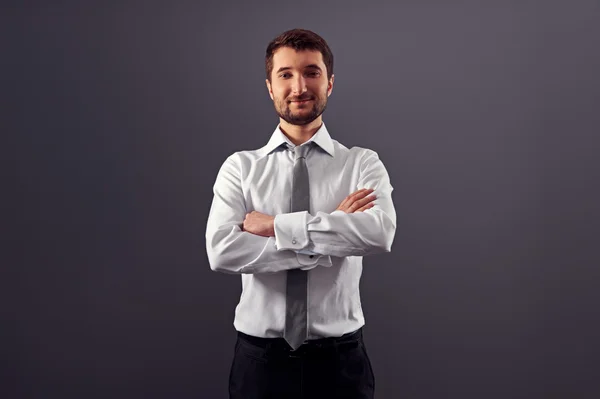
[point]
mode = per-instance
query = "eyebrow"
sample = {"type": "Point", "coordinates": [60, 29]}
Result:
{"type": "Point", "coordinates": [311, 66]}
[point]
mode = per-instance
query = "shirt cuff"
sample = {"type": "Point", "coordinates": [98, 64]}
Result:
{"type": "Point", "coordinates": [312, 261]}
{"type": "Point", "coordinates": [291, 231]}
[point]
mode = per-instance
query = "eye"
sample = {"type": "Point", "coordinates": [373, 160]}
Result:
{"type": "Point", "coordinates": [284, 75]}
{"type": "Point", "coordinates": [313, 74]}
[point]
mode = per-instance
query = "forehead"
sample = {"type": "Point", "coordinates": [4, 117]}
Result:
{"type": "Point", "coordinates": [289, 57]}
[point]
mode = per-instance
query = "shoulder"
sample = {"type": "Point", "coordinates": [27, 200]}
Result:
{"type": "Point", "coordinates": [364, 154]}
{"type": "Point", "coordinates": [240, 157]}
{"type": "Point", "coordinates": [368, 162]}
{"type": "Point", "coordinates": [356, 155]}
{"type": "Point", "coordinates": [240, 162]}
{"type": "Point", "coordinates": [354, 151]}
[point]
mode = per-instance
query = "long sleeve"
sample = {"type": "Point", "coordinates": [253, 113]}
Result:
{"type": "Point", "coordinates": [234, 251]}
{"type": "Point", "coordinates": [345, 234]}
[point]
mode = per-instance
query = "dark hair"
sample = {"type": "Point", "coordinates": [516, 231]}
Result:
{"type": "Point", "coordinates": [299, 39]}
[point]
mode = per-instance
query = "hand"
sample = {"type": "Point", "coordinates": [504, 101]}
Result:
{"type": "Point", "coordinates": [259, 224]}
{"type": "Point", "coordinates": [357, 201]}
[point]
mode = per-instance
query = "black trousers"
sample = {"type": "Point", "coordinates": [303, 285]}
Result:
{"type": "Point", "coordinates": [328, 368]}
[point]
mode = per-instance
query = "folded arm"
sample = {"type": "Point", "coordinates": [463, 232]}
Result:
{"type": "Point", "coordinates": [234, 251]}
{"type": "Point", "coordinates": [344, 234]}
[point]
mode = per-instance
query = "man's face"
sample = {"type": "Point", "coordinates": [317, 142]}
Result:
{"type": "Point", "coordinates": [299, 87]}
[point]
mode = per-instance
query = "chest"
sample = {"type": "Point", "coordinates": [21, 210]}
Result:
{"type": "Point", "coordinates": [267, 186]}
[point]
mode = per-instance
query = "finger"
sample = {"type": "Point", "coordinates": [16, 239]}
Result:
{"type": "Point", "coordinates": [350, 198]}
{"type": "Point", "coordinates": [362, 191]}
{"type": "Point", "coordinates": [360, 194]}
{"type": "Point", "coordinates": [342, 205]}
{"type": "Point", "coordinates": [366, 200]}
{"type": "Point", "coordinates": [345, 204]}
{"type": "Point", "coordinates": [356, 208]}
{"type": "Point", "coordinates": [359, 203]}
{"type": "Point", "coordinates": [365, 207]}
{"type": "Point", "coordinates": [365, 191]}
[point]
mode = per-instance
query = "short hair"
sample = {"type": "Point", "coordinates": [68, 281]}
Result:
{"type": "Point", "coordinates": [299, 39]}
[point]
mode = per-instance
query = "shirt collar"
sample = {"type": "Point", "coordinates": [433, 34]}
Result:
{"type": "Point", "coordinates": [321, 138]}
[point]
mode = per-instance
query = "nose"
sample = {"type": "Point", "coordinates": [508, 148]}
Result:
{"type": "Point", "coordinates": [299, 85]}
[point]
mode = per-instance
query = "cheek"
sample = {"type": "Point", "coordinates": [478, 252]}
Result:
{"type": "Point", "coordinates": [320, 89]}
{"type": "Point", "coordinates": [281, 94]}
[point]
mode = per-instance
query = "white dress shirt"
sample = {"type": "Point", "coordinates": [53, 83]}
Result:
{"type": "Point", "coordinates": [329, 244]}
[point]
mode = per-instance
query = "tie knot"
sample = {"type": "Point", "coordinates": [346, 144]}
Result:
{"type": "Point", "coordinates": [300, 151]}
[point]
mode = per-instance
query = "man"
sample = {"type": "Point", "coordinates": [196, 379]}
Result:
{"type": "Point", "coordinates": [294, 219]}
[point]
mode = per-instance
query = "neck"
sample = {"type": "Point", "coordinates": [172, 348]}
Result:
{"type": "Point", "coordinates": [299, 134]}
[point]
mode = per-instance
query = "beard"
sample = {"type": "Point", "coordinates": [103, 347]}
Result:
{"type": "Point", "coordinates": [318, 105]}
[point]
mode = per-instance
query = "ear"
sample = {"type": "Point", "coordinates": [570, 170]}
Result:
{"type": "Point", "coordinates": [330, 85]}
{"type": "Point", "coordinates": [269, 88]}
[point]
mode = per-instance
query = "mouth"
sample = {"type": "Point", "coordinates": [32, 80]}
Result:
{"type": "Point", "coordinates": [301, 101]}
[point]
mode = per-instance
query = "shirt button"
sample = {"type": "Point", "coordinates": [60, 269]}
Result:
{"type": "Point", "coordinates": [311, 256]}
{"type": "Point", "coordinates": [293, 241]}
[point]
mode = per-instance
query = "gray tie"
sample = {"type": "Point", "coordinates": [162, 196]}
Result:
{"type": "Point", "coordinates": [296, 329]}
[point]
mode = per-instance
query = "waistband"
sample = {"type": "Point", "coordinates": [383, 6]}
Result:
{"type": "Point", "coordinates": [281, 343]}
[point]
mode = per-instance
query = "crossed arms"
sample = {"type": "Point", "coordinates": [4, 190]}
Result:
{"type": "Point", "coordinates": [240, 242]}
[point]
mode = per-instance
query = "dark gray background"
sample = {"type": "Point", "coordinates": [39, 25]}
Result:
{"type": "Point", "coordinates": [117, 116]}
